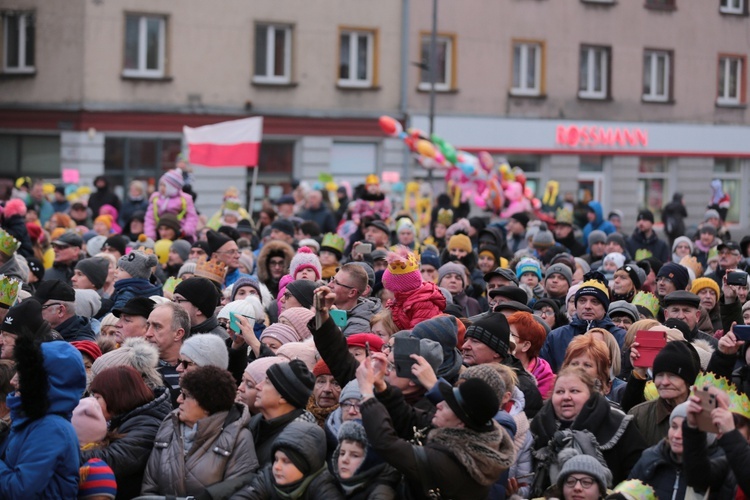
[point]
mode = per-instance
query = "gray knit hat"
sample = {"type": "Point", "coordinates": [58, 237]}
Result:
{"type": "Point", "coordinates": [88, 303]}
{"type": "Point", "coordinates": [622, 307]}
{"type": "Point", "coordinates": [181, 248]}
{"type": "Point", "coordinates": [350, 391]}
{"type": "Point", "coordinates": [95, 269]}
{"type": "Point", "coordinates": [352, 430]}
{"type": "Point", "coordinates": [597, 236]}
{"type": "Point", "coordinates": [488, 375]}
{"type": "Point", "coordinates": [543, 238]}
{"type": "Point", "coordinates": [206, 349]}
{"type": "Point", "coordinates": [679, 411]}
{"type": "Point", "coordinates": [560, 269]}
{"type": "Point", "coordinates": [138, 264]}
{"type": "Point", "coordinates": [452, 268]}
{"type": "Point", "coordinates": [187, 268]}
{"type": "Point", "coordinates": [586, 464]}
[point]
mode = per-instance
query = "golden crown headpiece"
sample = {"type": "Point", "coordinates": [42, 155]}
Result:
{"type": "Point", "coordinates": [738, 403]}
{"type": "Point", "coordinates": [8, 244]}
{"type": "Point", "coordinates": [402, 262]}
{"type": "Point", "coordinates": [647, 300]}
{"type": "Point", "coordinates": [212, 269]}
{"type": "Point", "coordinates": [372, 179]}
{"type": "Point", "coordinates": [445, 216]}
{"type": "Point", "coordinates": [9, 288]}
{"type": "Point", "coordinates": [692, 263]}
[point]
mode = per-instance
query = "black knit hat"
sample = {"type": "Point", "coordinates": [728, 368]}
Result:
{"type": "Point", "coordinates": [216, 240]}
{"type": "Point", "coordinates": [521, 217]}
{"type": "Point", "coordinates": [302, 290]}
{"type": "Point", "coordinates": [116, 242]}
{"type": "Point", "coordinates": [675, 272]}
{"type": "Point", "coordinates": [493, 331]}
{"type": "Point", "coordinates": [95, 269]}
{"type": "Point", "coordinates": [636, 275]}
{"type": "Point", "coordinates": [54, 290]}
{"type": "Point", "coordinates": [284, 225]}
{"type": "Point", "coordinates": [680, 358]}
{"type": "Point", "coordinates": [200, 292]}
{"type": "Point", "coordinates": [170, 221]}
{"type": "Point", "coordinates": [646, 215]}
{"type": "Point", "coordinates": [28, 313]}
{"type": "Point", "coordinates": [293, 381]}
{"type": "Point", "coordinates": [36, 267]}
{"type": "Point", "coordinates": [474, 402]}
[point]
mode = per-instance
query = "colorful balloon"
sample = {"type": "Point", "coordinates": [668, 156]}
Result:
{"type": "Point", "coordinates": [390, 126]}
{"type": "Point", "coordinates": [426, 148]}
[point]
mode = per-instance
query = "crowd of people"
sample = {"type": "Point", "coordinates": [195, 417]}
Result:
{"type": "Point", "coordinates": [343, 348]}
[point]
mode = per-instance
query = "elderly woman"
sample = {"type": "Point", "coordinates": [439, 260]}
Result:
{"type": "Point", "coordinates": [528, 336]}
{"type": "Point", "coordinates": [134, 413]}
{"type": "Point", "coordinates": [592, 355]}
{"type": "Point", "coordinates": [204, 441]}
{"type": "Point", "coordinates": [577, 405]}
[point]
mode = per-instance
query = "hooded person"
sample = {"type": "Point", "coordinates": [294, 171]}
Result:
{"type": "Point", "coordinates": [273, 262]}
{"type": "Point", "coordinates": [443, 330]}
{"type": "Point", "coordinates": [170, 199]}
{"type": "Point", "coordinates": [596, 221]}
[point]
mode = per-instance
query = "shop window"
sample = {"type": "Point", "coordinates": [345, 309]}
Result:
{"type": "Point", "coordinates": [731, 88]}
{"type": "Point", "coordinates": [736, 7]}
{"type": "Point", "coordinates": [652, 184]}
{"type": "Point", "coordinates": [353, 161]}
{"type": "Point", "coordinates": [594, 72]}
{"type": "Point", "coordinates": [729, 172]}
{"type": "Point", "coordinates": [30, 155]}
{"type": "Point", "coordinates": [129, 158]}
{"type": "Point", "coordinates": [445, 75]}
{"type": "Point", "coordinates": [275, 172]}
{"type": "Point", "coordinates": [145, 46]}
{"type": "Point", "coordinates": [18, 40]}
{"type": "Point", "coordinates": [527, 68]}
{"type": "Point", "coordinates": [273, 54]}
{"type": "Point", "coordinates": [357, 53]}
{"type": "Point", "coordinates": [657, 75]}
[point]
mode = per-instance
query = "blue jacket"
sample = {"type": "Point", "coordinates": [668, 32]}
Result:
{"type": "Point", "coordinates": [235, 275]}
{"type": "Point", "coordinates": [599, 223]}
{"type": "Point", "coordinates": [556, 343]}
{"type": "Point", "coordinates": [133, 287]}
{"type": "Point", "coordinates": [41, 456]}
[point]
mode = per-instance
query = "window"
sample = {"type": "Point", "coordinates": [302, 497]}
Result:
{"type": "Point", "coordinates": [733, 7]}
{"type": "Point", "coordinates": [652, 184]}
{"type": "Point", "coordinates": [145, 42]}
{"type": "Point", "coordinates": [273, 54]}
{"type": "Point", "coordinates": [731, 81]}
{"type": "Point", "coordinates": [594, 73]}
{"type": "Point", "coordinates": [18, 40]}
{"type": "Point", "coordinates": [729, 172]}
{"type": "Point", "coordinates": [527, 68]}
{"type": "Point", "coordinates": [657, 75]}
{"type": "Point", "coordinates": [32, 155]}
{"type": "Point", "coordinates": [276, 166]}
{"type": "Point", "coordinates": [352, 160]}
{"type": "Point", "coordinates": [128, 158]}
{"type": "Point", "coordinates": [661, 4]}
{"type": "Point", "coordinates": [446, 63]}
{"type": "Point", "coordinates": [356, 58]}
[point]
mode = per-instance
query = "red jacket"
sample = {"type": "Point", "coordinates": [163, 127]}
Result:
{"type": "Point", "coordinates": [410, 308]}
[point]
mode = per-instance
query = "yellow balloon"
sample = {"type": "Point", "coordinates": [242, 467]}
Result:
{"type": "Point", "coordinates": [48, 188]}
{"type": "Point", "coordinates": [426, 148]}
{"type": "Point", "coordinates": [161, 248]}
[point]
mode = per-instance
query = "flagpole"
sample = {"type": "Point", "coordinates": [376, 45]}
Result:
{"type": "Point", "coordinates": [252, 191]}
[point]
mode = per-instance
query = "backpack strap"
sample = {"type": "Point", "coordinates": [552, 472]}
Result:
{"type": "Point", "coordinates": [426, 476]}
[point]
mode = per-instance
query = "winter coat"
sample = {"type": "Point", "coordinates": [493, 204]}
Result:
{"type": "Point", "coordinates": [599, 223]}
{"type": "Point", "coordinates": [462, 463]}
{"type": "Point", "coordinates": [62, 272]}
{"type": "Point", "coordinates": [181, 203]}
{"type": "Point", "coordinates": [652, 419]}
{"type": "Point", "coordinates": [659, 468]}
{"type": "Point", "coordinates": [558, 339]}
{"type": "Point", "coordinates": [222, 449]}
{"type": "Point", "coordinates": [102, 197]}
{"type": "Point", "coordinates": [323, 217]}
{"type": "Point", "coordinates": [575, 247]}
{"type": "Point", "coordinates": [16, 227]}
{"type": "Point", "coordinates": [76, 328]}
{"type": "Point", "coordinates": [331, 345]}
{"type": "Point", "coordinates": [638, 245]}
{"type": "Point", "coordinates": [411, 308]}
{"type": "Point", "coordinates": [265, 431]}
{"type": "Point", "coordinates": [131, 207]}
{"type": "Point", "coordinates": [673, 216]}
{"type": "Point", "coordinates": [40, 455]}
{"type": "Point", "coordinates": [723, 365]}
{"type": "Point", "coordinates": [128, 453]}
{"type": "Point", "coordinates": [737, 453]}
{"type": "Point", "coordinates": [527, 385]}
{"type": "Point", "coordinates": [468, 305]}
{"type": "Point", "coordinates": [499, 240]}
{"type": "Point", "coordinates": [211, 325]}
{"type": "Point", "coordinates": [545, 377]}
{"type": "Point", "coordinates": [617, 438]}
{"type": "Point", "coordinates": [373, 480]}
{"type": "Point", "coordinates": [706, 467]}
{"type": "Point", "coordinates": [126, 289]}
{"type": "Point", "coordinates": [272, 248]}
{"type": "Point", "coordinates": [358, 317]}
{"type": "Point", "coordinates": [43, 208]}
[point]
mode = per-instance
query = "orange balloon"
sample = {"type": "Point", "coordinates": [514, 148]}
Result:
{"type": "Point", "coordinates": [426, 148]}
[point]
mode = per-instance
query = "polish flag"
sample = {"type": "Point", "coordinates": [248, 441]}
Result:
{"type": "Point", "coordinates": [225, 144]}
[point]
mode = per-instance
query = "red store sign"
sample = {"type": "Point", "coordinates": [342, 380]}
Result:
{"type": "Point", "coordinates": [577, 136]}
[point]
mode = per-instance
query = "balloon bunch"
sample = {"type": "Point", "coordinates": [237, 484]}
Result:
{"type": "Point", "coordinates": [498, 188]}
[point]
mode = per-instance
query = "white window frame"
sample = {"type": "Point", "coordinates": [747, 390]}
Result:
{"type": "Point", "coordinates": [725, 66]}
{"type": "Point", "coordinates": [353, 81]}
{"type": "Point", "coordinates": [524, 89]}
{"type": "Point", "coordinates": [21, 19]}
{"type": "Point", "coordinates": [726, 7]}
{"type": "Point", "coordinates": [448, 75]}
{"type": "Point", "coordinates": [142, 71]}
{"type": "Point", "coordinates": [269, 77]}
{"type": "Point", "coordinates": [651, 57]}
{"type": "Point", "coordinates": [591, 53]}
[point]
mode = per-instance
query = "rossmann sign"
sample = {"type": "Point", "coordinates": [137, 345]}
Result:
{"type": "Point", "coordinates": [594, 136]}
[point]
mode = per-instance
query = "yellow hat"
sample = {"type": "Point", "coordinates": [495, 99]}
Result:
{"type": "Point", "coordinates": [702, 283]}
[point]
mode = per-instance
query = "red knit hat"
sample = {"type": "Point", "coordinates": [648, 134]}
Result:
{"type": "Point", "coordinates": [402, 273]}
{"type": "Point", "coordinates": [321, 368]}
{"type": "Point", "coordinates": [88, 348]}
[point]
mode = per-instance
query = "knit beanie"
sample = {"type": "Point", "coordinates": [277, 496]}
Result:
{"type": "Point", "coordinates": [216, 240]}
{"type": "Point", "coordinates": [675, 272]}
{"type": "Point", "coordinates": [596, 289]}
{"type": "Point", "coordinates": [298, 318]}
{"type": "Point", "coordinates": [636, 275]}
{"type": "Point", "coordinates": [109, 320]}
{"type": "Point", "coordinates": [89, 348]}
{"type": "Point", "coordinates": [173, 181]}
{"type": "Point", "coordinates": [618, 239]}
{"type": "Point", "coordinates": [104, 219]}
{"type": "Point", "coordinates": [680, 358]}
{"type": "Point", "coordinates": [134, 352]}
{"type": "Point", "coordinates": [405, 223]}
{"type": "Point", "coordinates": [36, 267]}
{"type": "Point", "coordinates": [305, 259]}
{"type": "Point", "coordinates": [138, 264]}
{"type": "Point", "coordinates": [54, 290]}
{"type": "Point", "coordinates": [116, 242]}
{"type": "Point", "coordinates": [443, 330]}
{"type": "Point", "coordinates": [187, 268]}
{"type": "Point", "coordinates": [430, 259]}
{"type": "Point", "coordinates": [543, 237]}
{"type": "Point", "coordinates": [303, 291]}
{"type": "Point", "coordinates": [320, 368]}
{"type": "Point", "coordinates": [460, 242]}
{"type": "Point", "coordinates": [283, 225]}
{"type": "Point", "coordinates": [451, 268]}
{"type": "Point", "coordinates": [88, 421]}
{"type": "Point", "coordinates": [616, 257]}
{"type": "Point", "coordinates": [243, 307]}
{"type": "Point", "coordinates": [679, 411]}
{"type": "Point", "coordinates": [206, 349]}
{"type": "Point", "coordinates": [96, 480]}
{"type": "Point", "coordinates": [352, 430]}
{"type": "Point", "coordinates": [597, 236]}
{"type": "Point", "coordinates": [350, 391]}
{"type": "Point", "coordinates": [200, 292]}
{"type": "Point", "coordinates": [88, 303]}
{"type": "Point", "coordinates": [304, 351]}
{"type": "Point", "coordinates": [247, 281]}
{"type": "Point", "coordinates": [257, 369]}
{"type": "Point", "coordinates": [702, 283]}
{"type": "Point", "coordinates": [493, 331]}
{"type": "Point", "coordinates": [181, 248]}
{"type": "Point", "coordinates": [488, 375]}
{"type": "Point", "coordinates": [588, 465]}
{"type": "Point", "coordinates": [95, 269]}
{"type": "Point", "coordinates": [683, 239]}
{"type": "Point", "coordinates": [623, 308]}
{"type": "Point", "coordinates": [402, 274]}
{"type": "Point", "coordinates": [571, 292]}
{"type": "Point", "coordinates": [562, 270]}
{"type": "Point", "coordinates": [529, 266]}
{"type": "Point", "coordinates": [474, 402]}
{"type": "Point", "coordinates": [27, 313]}
{"type": "Point", "coordinates": [281, 332]}
{"type": "Point", "coordinates": [293, 381]}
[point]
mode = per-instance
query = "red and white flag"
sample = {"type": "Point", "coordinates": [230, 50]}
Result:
{"type": "Point", "coordinates": [225, 144]}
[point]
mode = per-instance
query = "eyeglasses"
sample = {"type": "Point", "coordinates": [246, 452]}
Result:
{"type": "Point", "coordinates": [544, 312]}
{"type": "Point", "coordinates": [387, 348]}
{"type": "Point", "coordinates": [729, 252]}
{"type": "Point", "coordinates": [185, 365]}
{"type": "Point", "coordinates": [58, 246]}
{"type": "Point", "coordinates": [338, 283]}
{"type": "Point", "coordinates": [276, 263]}
{"type": "Point", "coordinates": [350, 406]}
{"type": "Point", "coordinates": [586, 482]}
{"type": "Point", "coordinates": [45, 306]}
{"type": "Point", "coordinates": [663, 278]}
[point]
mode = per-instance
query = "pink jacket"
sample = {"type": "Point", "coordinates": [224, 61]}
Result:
{"type": "Point", "coordinates": [411, 308]}
{"type": "Point", "coordinates": [176, 205]}
{"type": "Point", "coordinates": [545, 377]}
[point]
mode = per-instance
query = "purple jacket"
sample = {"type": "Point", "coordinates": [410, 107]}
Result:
{"type": "Point", "coordinates": [176, 206]}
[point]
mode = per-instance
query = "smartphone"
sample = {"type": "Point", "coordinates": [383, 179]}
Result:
{"type": "Point", "coordinates": [708, 403]}
{"type": "Point", "coordinates": [339, 317]}
{"type": "Point", "coordinates": [234, 322]}
{"type": "Point", "coordinates": [367, 349]}
{"type": "Point", "coordinates": [650, 343]}
{"type": "Point", "coordinates": [364, 248]}
{"type": "Point", "coordinates": [403, 348]}
{"type": "Point", "coordinates": [737, 278]}
{"type": "Point", "coordinates": [742, 332]}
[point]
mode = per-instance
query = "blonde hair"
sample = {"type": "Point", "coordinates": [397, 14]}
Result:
{"type": "Point", "coordinates": [384, 316]}
{"type": "Point", "coordinates": [614, 349]}
{"type": "Point", "coordinates": [644, 324]}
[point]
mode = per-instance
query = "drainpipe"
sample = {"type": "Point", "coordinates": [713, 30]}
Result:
{"type": "Point", "coordinates": [403, 105]}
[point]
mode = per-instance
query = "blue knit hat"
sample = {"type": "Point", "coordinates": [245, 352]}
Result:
{"type": "Point", "coordinates": [528, 266]}
{"type": "Point", "coordinates": [431, 259]}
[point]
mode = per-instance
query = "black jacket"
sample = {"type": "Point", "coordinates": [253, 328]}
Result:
{"type": "Point", "coordinates": [76, 328]}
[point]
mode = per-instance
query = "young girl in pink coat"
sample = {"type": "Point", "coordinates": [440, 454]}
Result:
{"type": "Point", "coordinates": [171, 200]}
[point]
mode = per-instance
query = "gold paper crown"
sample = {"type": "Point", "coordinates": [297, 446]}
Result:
{"type": "Point", "coordinates": [647, 300]}
{"type": "Point", "coordinates": [738, 403]}
{"type": "Point", "coordinates": [171, 284]}
{"type": "Point", "coordinates": [445, 216]}
{"type": "Point", "coordinates": [212, 269]}
{"type": "Point", "coordinates": [9, 288]}
{"type": "Point", "coordinates": [633, 489]}
{"type": "Point", "coordinates": [404, 265]}
{"type": "Point", "coordinates": [564, 216]}
{"type": "Point", "coordinates": [8, 244]}
{"type": "Point", "coordinates": [692, 263]}
{"type": "Point", "coordinates": [372, 179]}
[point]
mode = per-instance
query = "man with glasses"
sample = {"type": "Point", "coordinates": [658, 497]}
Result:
{"type": "Point", "coordinates": [199, 298]}
{"type": "Point", "coordinates": [729, 258]}
{"type": "Point", "coordinates": [671, 278]}
{"type": "Point", "coordinates": [67, 253]}
{"type": "Point", "coordinates": [349, 283]}
{"type": "Point", "coordinates": [224, 249]}
{"type": "Point", "coordinates": [58, 301]}
{"type": "Point", "coordinates": [168, 324]}
{"type": "Point", "coordinates": [132, 318]}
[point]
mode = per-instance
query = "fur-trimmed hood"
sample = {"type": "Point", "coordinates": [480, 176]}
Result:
{"type": "Point", "coordinates": [484, 455]}
{"type": "Point", "coordinates": [273, 247]}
